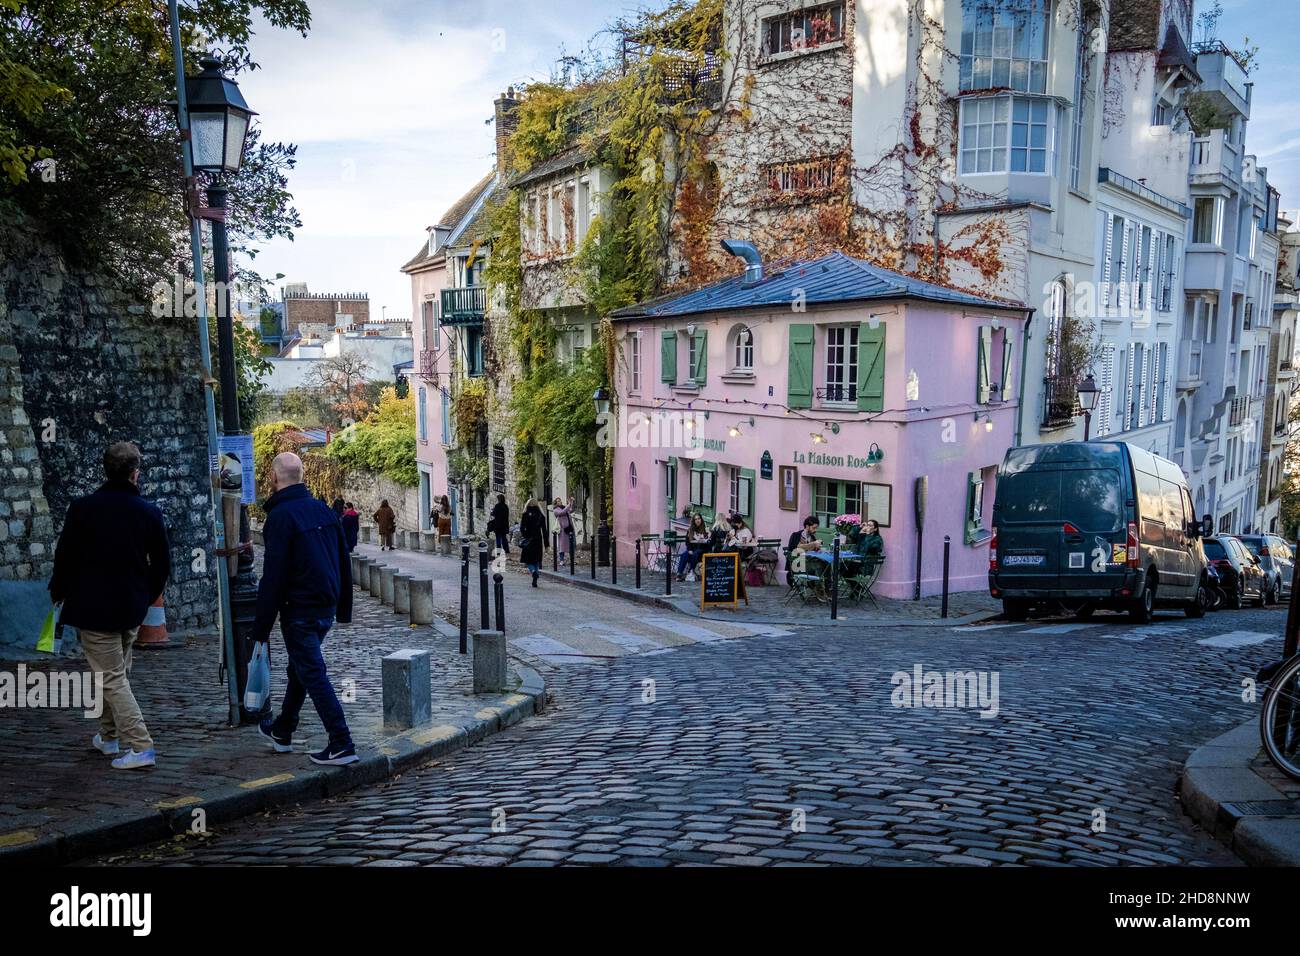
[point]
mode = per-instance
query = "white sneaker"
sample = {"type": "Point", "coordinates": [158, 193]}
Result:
{"type": "Point", "coordinates": [134, 760]}
{"type": "Point", "coordinates": [108, 748]}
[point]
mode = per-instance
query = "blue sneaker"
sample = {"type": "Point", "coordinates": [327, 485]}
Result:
{"type": "Point", "coordinates": [281, 745]}
{"type": "Point", "coordinates": [333, 756]}
{"type": "Point", "coordinates": [134, 760]}
{"type": "Point", "coordinates": [108, 748]}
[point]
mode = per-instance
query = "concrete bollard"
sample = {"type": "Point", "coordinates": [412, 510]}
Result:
{"type": "Point", "coordinates": [386, 585]}
{"type": "Point", "coordinates": [401, 594]}
{"type": "Point", "coordinates": [444, 544]}
{"type": "Point", "coordinates": [363, 573]}
{"type": "Point", "coordinates": [407, 697]}
{"type": "Point", "coordinates": [399, 540]}
{"type": "Point", "coordinates": [413, 540]}
{"type": "Point", "coordinates": [356, 566]}
{"type": "Point", "coordinates": [421, 601]}
{"type": "Point", "coordinates": [376, 572]}
{"type": "Point", "coordinates": [428, 541]}
{"type": "Point", "coordinates": [489, 662]}
{"type": "Point", "coordinates": [365, 533]}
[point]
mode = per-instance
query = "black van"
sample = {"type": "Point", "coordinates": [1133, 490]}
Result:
{"type": "Point", "coordinates": [1095, 525]}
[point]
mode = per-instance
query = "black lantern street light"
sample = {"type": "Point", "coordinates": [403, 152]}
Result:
{"type": "Point", "coordinates": [219, 124]}
{"type": "Point", "coordinates": [1088, 396]}
{"type": "Point", "coordinates": [601, 401]}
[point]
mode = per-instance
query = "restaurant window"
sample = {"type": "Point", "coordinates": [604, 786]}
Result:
{"type": "Point", "coordinates": [832, 498]}
{"type": "Point", "coordinates": [742, 350]}
{"type": "Point", "coordinates": [1004, 45]}
{"type": "Point", "coordinates": [704, 478]}
{"type": "Point", "coordinates": [804, 29]}
{"type": "Point", "coordinates": [841, 363]}
{"type": "Point", "coordinates": [742, 491]}
{"type": "Point", "coordinates": [878, 503]}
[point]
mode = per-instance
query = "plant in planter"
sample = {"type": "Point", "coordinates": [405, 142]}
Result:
{"type": "Point", "coordinates": [847, 524]}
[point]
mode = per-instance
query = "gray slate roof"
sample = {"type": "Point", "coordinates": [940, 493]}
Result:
{"type": "Point", "coordinates": [831, 278]}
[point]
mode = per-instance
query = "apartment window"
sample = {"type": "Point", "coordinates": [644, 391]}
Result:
{"type": "Point", "coordinates": [1168, 272]}
{"type": "Point", "coordinates": [1163, 114]}
{"type": "Point", "coordinates": [584, 207]}
{"type": "Point", "coordinates": [841, 363]}
{"type": "Point", "coordinates": [498, 468]}
{"type": "Point", "coordinates": [474, 352]}
{"type": "Point", "coordinates": [803, 29]}
{"type": "Point", "coordinates": [555, 219]}
{"type": "Point", "coordinates": [1076, 115]}
{"type": "Point", "coordinates": [634, 360]}
{"type": "Point", "coordinates": [1206, 226]}
{"type": "Point", "coordinates": [423, 415]}
{"type": "Point", "coordinates": [807, 178]}
{"type": "Point", "coordinates": [742, 354]}
{"type": "Point", "coordinates": [444, 409]}
{"type": "Point", "coordinates": [1004, 45]}
{"type": "Point", "coordinates": [1008, 132]}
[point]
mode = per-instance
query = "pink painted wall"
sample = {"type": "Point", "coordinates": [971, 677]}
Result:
{"type": "Point", "coordinates": [939, 343]}
{"type": "Point", "coordinates": [426, 283]}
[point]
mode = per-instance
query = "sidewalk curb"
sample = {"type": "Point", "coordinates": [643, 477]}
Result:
{"type": "Point", "coordinates": [1221, 791]}
{"type": "Point", "coordinates": [739, 616]}
{"type": "Point", "coordinates": [396, 755]}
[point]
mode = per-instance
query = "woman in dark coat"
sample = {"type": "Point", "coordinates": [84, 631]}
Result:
{"type": "Point", "coordinates": [501, 524]}
{"type": "Point", "coordinates": [386, 519]}
{"type": "Point", "coordinates": [532, 537]}
{"type": "Point", "coordinates": [351, 525]}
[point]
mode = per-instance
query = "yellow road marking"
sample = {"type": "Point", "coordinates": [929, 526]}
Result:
{"type": "Point", "coordinates": [434, 734]}
{"type": "Point", "coordinates": [17, 838]}
{"type": "Point", "coordinates": [178, 802]}
{"type": "Point", "coordinates": [266, 781]}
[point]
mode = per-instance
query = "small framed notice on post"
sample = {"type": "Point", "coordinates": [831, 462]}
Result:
{"type": "Point", "coordinates": [719, 580]}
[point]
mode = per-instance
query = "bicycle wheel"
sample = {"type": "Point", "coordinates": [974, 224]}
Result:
{"type": "Point", "coordinates": [1279, 720]}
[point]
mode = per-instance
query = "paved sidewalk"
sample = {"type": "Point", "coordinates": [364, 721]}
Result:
{"type": "Point", "coordinates": [59, 799]}
{"type": "Point", "coordinates": [1231, 788]}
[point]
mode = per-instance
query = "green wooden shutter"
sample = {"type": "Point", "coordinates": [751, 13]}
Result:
{"type": "Point", "coordinates": [672, 488]}
{"type": "Point", "coordinates": [871, 368]}
{"type": "Point", "coordinates": [974, 486]}
{"type": "Point", "coordinates": [701, 370]}
{"type": "Point", "coordinates": [668, 357]}
{"type": "Point", "coordinates": [799, 387]}
{"type": "Point", "coordinates": [747, 506]}
{"type": "Point", "coordinates": [985, 356]}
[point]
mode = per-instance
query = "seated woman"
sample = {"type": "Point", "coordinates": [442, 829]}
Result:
{"type": "Point", "coordinates": [867, 541]}
{"type": "Point", "coordinates": [697, 542]}
{"type": "Point", "coordinates": [740, 538]}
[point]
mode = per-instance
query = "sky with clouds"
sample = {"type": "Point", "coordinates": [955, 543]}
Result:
{"type": "Point", "coordinates": [390, 103]}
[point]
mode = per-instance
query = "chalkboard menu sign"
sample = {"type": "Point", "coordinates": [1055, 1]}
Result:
{"type": "Point", "coordinates": [719, 580]}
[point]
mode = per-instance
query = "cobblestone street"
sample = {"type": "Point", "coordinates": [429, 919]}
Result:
{"type": "Point", "coordinates": [786, 749]}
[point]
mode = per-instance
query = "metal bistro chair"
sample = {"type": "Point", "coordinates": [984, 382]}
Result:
{"type": "Point", "coordinates": [765, 558]}
{"type": "Point", "coordinates": [807, 587]}
{"type": "Point", "coordinates": [859, 585]}
{"type": "Point", "coordinates": [652, 552]}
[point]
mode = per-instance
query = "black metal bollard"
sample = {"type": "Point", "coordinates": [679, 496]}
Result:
{"type": "Point", "coordinates": [613, 559]}
{"type": "Point", "coordinates": [464, 597]}
{"type": "Point", "coordinates": [638, 564]}
{"type": "Point", "coordinates": [483, 584]}
{"type": "Point", "coordinates": [668, 564]}
{"type": "Point", "coordinates": [555, 552]}
{"type": "Point", "coordinates": [593, 560]}
{"type": "Point", "coordinates": [499, 593]}
{"type": "Point", "coordinates": [573, 548]}
{"type": "Point", "coordinates": [947, 554]}
{"type": "Point", "coordinates": [835, 579]}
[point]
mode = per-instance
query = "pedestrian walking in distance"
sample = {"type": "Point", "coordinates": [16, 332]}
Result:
{"type": "Point", "coordinates": [307, 583]}
{"type": "Point", "coordinates": [351, 522]}
{"type": "Point", "coordinates": [386, 519]}
{"type": "Point", "coordinates": [532, 537]}
{"type": "Point", "coordinates": [499, 525]}
{"type": "Point", "coordinates": [112, 562]}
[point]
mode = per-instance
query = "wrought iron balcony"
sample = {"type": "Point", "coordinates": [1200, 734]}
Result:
{"type": "Point", "coordinates": [1238, 410]}
{"type": "Point", "coordinates": [428, 368]}
{"type": "Point", "coordinates": [1060, 400]}
{"type": "Point", "coordinates": [838, 393]}
{"type": "Point", "coordinates": [464, 306]}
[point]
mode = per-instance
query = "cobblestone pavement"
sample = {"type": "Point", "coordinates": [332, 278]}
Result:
{"type": "Point", "coordinates": [787, 750]}
{"type": "Point", "coordinates": [50, 777]}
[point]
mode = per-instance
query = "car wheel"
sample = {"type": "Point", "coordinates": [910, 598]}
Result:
{"type": "Point", "coordinates": [1235, 594]}
{"type": "Point", "coordinates": [1144, 609]}
{"type": "Point", "coordinates": [1199, 604]}
{"type": "Point", "coordinates": [1014, 609]}
{"type": "Point", "coordinates": [1270, 593]}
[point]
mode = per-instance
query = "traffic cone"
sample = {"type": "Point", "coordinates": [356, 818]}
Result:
{"type": "Point", "coordinates": [153, 632]}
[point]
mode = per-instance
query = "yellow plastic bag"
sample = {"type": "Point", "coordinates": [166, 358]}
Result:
{"type": "Point", "coordinates": [46, 641]}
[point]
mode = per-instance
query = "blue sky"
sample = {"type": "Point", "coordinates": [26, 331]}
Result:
{"type": "Point", "coordinates": [390, 104]}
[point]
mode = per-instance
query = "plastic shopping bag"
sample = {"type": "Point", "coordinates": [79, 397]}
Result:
{"type": "Point", "coordinates": [46, 641]}
{"type": "Point", "coordinates": [258, 689]}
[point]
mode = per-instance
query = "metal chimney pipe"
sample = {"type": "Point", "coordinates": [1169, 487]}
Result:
{"type": "Point", "coordinates": [746, 251]}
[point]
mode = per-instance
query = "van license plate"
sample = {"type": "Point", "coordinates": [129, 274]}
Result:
{"type": "Point", "coordinates": [1024, 560]}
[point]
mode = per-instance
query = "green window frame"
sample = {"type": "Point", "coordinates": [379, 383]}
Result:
{"type": "Point", "coordinates": [742, 491]}
{"type": "Point", "coordinates": [704, 488]}
{"type": "Point", "coordinates": [670, 487]}
{"type": "Point", "coordinates": [700, 357]}
{"type": "Point", "coordinates": [976, 532]}
{"type": "Point", "coordinates": [833, 497]}
{"type": "Point", "coordinates": [871, 367]}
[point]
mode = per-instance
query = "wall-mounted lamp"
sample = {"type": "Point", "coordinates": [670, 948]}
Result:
{"type": "Point", "coordinates": [818, 438]}
{"type": "Point", "coordinates": [690, 330]}
{"type": "Point", "coordinates": [874, 456]}
{"type": "Point", "coordinates": [735, 432]}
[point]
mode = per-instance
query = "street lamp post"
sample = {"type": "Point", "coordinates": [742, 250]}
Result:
{"type": "Point", "coordinates": [219, 123]}
{"type": "Point", "coordinates": [601, 401]}
{"type": "Point", "coordinates": [1088, 396]}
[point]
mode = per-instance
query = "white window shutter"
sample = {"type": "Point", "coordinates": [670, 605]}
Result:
{"type": "Point", "coordinates": [1124, 259]}
{"type": "Point", "coordinates": [1127, 408]}
{"type": "Point", "coordinates": [1106, 401]}
{"type": "Point", "coordinates": [1143, 389]}
{"type": "Point", "coordinates": [1106, 258]}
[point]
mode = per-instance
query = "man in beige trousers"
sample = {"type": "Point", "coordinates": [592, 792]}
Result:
{"type": "Point", "coordinates": [112, 562]}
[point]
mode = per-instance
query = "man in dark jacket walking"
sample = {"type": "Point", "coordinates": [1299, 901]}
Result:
{"type": "Point", "coordinates": [307, 582]}
{"type": "Point", "coordinates": [111, 564]}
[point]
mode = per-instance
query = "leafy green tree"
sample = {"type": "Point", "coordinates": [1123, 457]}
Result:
{"type": "Point", "coordinates": [86, 85]}
{"type": "Point", "coordinates": [384, 443]}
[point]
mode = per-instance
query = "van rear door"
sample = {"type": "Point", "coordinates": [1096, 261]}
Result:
{"type": "Point", "coordinates": [1094, 535]}
{"type": "Point", "coordinates": [1028, 521]}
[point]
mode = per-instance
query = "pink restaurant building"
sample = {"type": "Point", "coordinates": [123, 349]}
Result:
{"type": "Point", "coordinates": [823, 387]}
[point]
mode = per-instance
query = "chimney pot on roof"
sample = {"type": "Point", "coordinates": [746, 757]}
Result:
{"type": "Point", "coordinates": [748, 252]}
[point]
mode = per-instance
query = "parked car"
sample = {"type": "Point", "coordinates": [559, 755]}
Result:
{"type": "Point", "coordinates": [1277, 561]}
{"type": "Point", "coordinates": [1095, 525]}
{"type": "Point", "coordinates": [1239, 571]}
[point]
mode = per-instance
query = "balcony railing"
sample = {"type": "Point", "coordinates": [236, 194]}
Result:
{"type": "Point", "coordinates": [1060, 400]}
{"type": "Point", "coordinates": [1239, 409]}
{"type": "Point", "coordinates": [429, 365]}
{"type": "Point", "coordinates": [838, 393]}
{"type": "Point", "coordinates": [1214, 155]}
{"type": "Point", "coordinates": [464, 306]}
